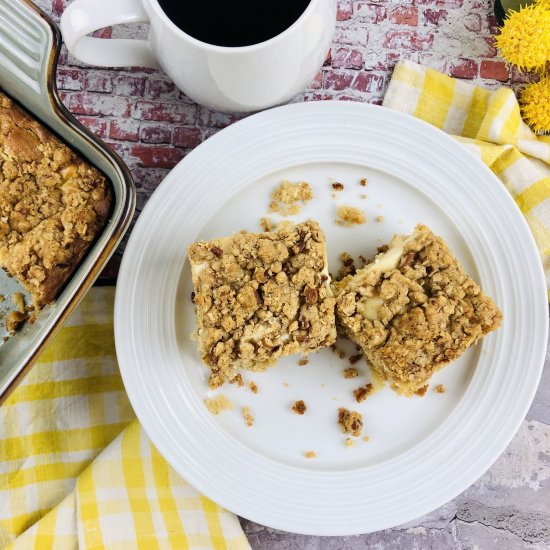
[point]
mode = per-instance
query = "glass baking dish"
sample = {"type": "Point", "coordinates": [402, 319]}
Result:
{"type": "Point", "coordinates": [29, 48]}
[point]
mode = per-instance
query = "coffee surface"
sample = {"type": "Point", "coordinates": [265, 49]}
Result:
{"type": "Point", "coordinates": [233, 23]}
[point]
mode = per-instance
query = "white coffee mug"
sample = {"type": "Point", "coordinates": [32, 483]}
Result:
{"type": "Point", "coordinates": [246, 78]}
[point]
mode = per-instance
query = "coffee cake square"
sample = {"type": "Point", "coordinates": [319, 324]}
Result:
{"type": "Point", "coordinates": [261, 296]}
{"type": "Point", "coordinates": [413, 310]}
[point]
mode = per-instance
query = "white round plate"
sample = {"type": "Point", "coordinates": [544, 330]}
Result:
{"type": "Point", "coordinates": [422, 452]}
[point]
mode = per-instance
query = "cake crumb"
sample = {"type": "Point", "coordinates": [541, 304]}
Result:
{"type": "Point", "coordinates": [218, 404]}
{"type": "Point", "coordinates": [237, 379]}
{"type": "Point", "coordinates": [299, 407]}
{"type": "Point", "coordinates": [421, 392]}
{"type": "Point", "coordinates": [287, 197]}
{"type": "Point", "coordinates": [310, 454]}
{"type": "Point", "coordinates": [440, 388]}
{"type": "Point", "coordinates": [363, 182]}
{"type": "Point", "coordinates": [337, 186]}
{"type": "Point", "coordinates": [215, 381]}
{"type": "Point", "coordinates": [350, 421]}
{"type": "Point", "coordinates": [350, 442]}
{"type": "Point", "coordinates": [267, 224]}
{"type": "Point", "coordinates": [366, 438]}
{"type": "Point", "coordinates": [362, 392]}
{"type": "Point", "coordinates": [19, 301]}
{"type": "Point", "coordinates": [253, 387]}
{"type": "Point", "coordinates": [247, 415]}
{"type": "Point", "coordinates": [285, 384]}
{"type": "Point", "coordinates": [362, 196]}
{"type": "Point", "coordinates": [379, 219]}
{"type": "Point", "coordinates": [303, 362]}
{"type": "Point", "coordinates": [14, 319]}
{"type": "Point", "coordinates": [348, 216]}
{"type": "Point", "coordinates": [355, 358]}
{"type": "Point", "coordinates": [350, 373]}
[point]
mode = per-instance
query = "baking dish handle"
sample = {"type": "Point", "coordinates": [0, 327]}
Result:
{"type": "Point", "coordinates": [83, 17]}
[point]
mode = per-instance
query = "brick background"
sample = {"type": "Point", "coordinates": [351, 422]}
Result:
{"type": "Point", "coordinates": [152, 125]}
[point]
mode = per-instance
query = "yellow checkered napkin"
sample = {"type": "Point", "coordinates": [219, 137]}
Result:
{"type": "Point", "coordinates": [76, 468]}
{"type": "Point", "coordinates": [489, 124]}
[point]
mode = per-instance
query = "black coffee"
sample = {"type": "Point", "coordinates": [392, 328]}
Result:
{"type": "Point", "coordinates": [233, 22]}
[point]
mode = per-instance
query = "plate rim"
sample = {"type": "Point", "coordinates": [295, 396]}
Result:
{"type": "Point", "coordinates": [125, 275]}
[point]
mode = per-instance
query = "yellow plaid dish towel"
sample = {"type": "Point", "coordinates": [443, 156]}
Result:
{"type": "Point", "coordinates": [489, 124]}
{"type": "Point", "coordinates": [76, 468]}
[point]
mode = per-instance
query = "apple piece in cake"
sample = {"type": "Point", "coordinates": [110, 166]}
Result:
{"type": "Point", "coordinates": [261, 296]}
{"type": "Point", "coordinates": [413, 310]}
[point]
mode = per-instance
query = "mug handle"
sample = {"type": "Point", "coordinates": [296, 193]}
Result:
{"type": "Point", "coordinates": [83, 17]}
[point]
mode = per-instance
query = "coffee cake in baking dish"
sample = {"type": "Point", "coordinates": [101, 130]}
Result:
{"type": "Point", "coordinates": [52, 204]}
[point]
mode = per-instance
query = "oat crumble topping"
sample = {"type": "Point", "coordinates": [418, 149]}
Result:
{"type": "Point", "coordinates": [267, 224]}
{"type": "Point", "coordinates": [261, 296]}
{"type": "Point", "coordinates": [413, 310]}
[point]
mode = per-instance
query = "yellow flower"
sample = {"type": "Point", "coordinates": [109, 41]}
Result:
{"type": "Point", "coordinates": [524, 39]}
{"type": "Point", "coordinates": [535, 105]}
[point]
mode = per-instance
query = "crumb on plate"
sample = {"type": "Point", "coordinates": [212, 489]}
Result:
{"type": "Point", "coordinates": [310, 454]}
{"type": "Point", "coordinates": [253, 387]}
{"type": "Point", "coordinates": [440, 388]}
{"type": "Point", "coordinates": [267, 224]}
{"type": "Point", "coordinates": [355, 358]}
{"type": "Point", "coordinates": [379, 219]}
{"type": "Point", "coordinates": [350, 421]}
{"type": "Point", "coordinates": [247, 415]}
{"type": "Point", "coordinates": [363, 182]}
{"type": "Point", "coordinates": [421, 392]}
{"type": "Point", "coordinates": [287, 197]}
{"type": "Point", "coordinates": [350, 373]}
{"type": "Point", "coordinates": [350, 442]}
{"type": "Point", "coordinates": [218, 404]}
{"type": "Point", "coordinates": [14, 319]}
{"type": "Point", "coordinates": [303, 362]}
{"type": "Point", "coordinates": [337, 186]}
{"type": "Point", "coordinates": [362, 392]}
{"type": "Point", "coordinates": [366, 438]}
{"type": "Point", "coordinates": [237, 379]}
{"type": "Point", "coordinates": [299, 407]}
{"type": "Point", "coordinates": [349, 215]}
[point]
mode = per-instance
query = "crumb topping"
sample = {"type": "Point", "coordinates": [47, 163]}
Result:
{"type": "Point", "coordinates": [237, 379]}
{"type": "Point", "coordinates": [218, 404]}
{"type": "Point", "coordinates": [288, 198]}
{"type": "Point", "coordinates": [350, 421]}
{"type": "Point", "coordinates": [14, 320]}
{"type": "Point", "coordinates": [349, 215]}
{"type": "Point", "coordinates": [261, 296]}
{"type": "Point", "coordinates": [413, 310]}
{"type": "Point", "coordinates": [421, 392]}
{"type": "Point", "coordinates": [52, 204]}
{"type": "Point", "coordinates": [299, 407]}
